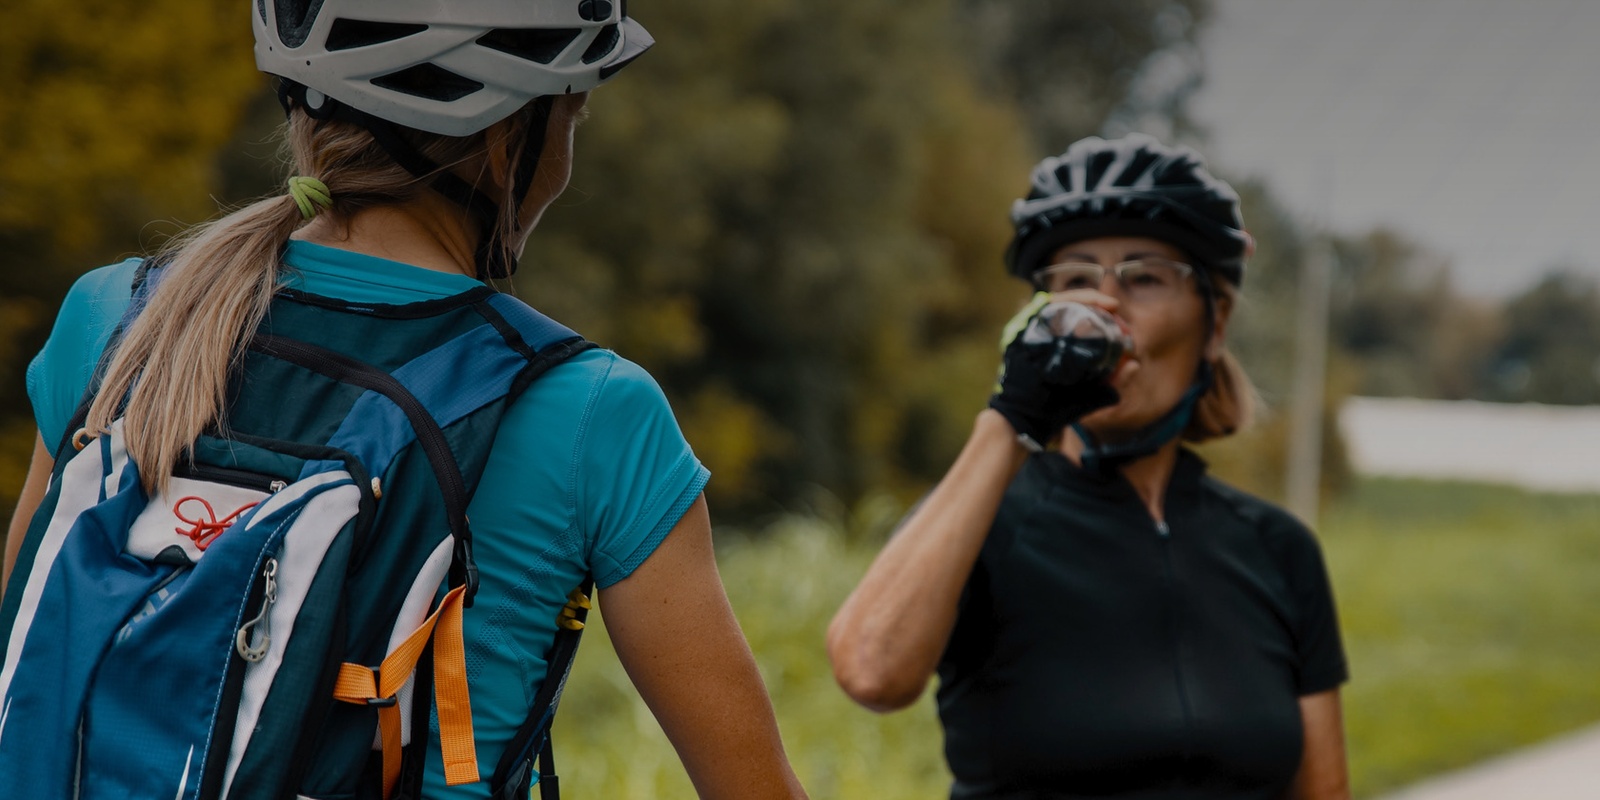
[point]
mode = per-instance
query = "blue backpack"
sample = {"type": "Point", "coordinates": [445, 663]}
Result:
{"type": "Point", "coordinates": [283, 621]}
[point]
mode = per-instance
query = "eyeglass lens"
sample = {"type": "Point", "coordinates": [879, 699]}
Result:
{"type": "Point", "coordinates": [1139, 280]}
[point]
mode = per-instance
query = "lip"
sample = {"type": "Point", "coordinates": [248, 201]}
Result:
{"type": "Point", "coordinates": [1129, 364]}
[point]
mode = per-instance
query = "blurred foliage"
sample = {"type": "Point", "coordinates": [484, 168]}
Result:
{"type": "Point", "coordinates": [1399, 319]}
{"type": "Point", "coordinates": [1550, 349]}
{"type": "Point", "coordinates": [17, 314]}
{"type": "Point", "coordinates": [112, 116]}
{"type": "Point", "coordinates": [1091, 66]}
{"type": "Point", "coordinates": [1397, 314]}
{"type": "Point", "coordinates": [1467, 613]}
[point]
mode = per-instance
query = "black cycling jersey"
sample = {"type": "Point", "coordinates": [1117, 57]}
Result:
{"type": "Point", "coordinates": [1098, 654]}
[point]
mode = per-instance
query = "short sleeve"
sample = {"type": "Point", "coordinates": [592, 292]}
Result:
{"type": "Point", "coordinates": [1317, 640]}
{"type": "Point", "coordinates": [61, 371]}
{"type": "Point", "coordinates": [637, 475]}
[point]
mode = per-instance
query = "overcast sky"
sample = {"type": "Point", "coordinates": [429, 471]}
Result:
{"type": "Point", "coordinates": [1471, 125]}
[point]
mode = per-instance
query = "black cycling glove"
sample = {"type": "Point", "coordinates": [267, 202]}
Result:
{"type": "Point", "coordinates": [1047, 380]}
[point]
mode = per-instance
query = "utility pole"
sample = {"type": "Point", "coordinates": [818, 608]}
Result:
{"type": "Point", "coordinates": [1304, 477]}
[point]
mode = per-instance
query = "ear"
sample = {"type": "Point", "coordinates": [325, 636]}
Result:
{"type": "Point", "coordinates": [1219, 328]}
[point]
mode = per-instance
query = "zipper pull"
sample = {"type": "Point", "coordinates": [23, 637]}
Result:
{"type": "Point", "coordinates": [261, 623]}
{"type": "Point", "coordinates": [276, 486]}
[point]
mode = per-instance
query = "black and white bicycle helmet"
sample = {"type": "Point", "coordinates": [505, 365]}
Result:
{"type": "Point", "coordinates": [1133, 186]}
{"type": "Point", "coordinates": [448, 67]}
{"type": "Point", "coordinates": [452, 67]}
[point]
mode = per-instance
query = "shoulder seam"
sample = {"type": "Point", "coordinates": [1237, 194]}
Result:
{"type": "Point", "coordinates": [580, 442]}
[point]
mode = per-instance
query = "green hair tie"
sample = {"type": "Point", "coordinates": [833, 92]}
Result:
{"type": "Point", "coordinates": [310, 194]}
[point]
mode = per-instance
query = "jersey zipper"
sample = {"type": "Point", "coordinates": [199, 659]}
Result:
{"type": "Point", "coordinates": [1174, 641]}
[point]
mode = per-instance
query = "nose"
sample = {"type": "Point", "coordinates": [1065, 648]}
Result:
{"type": "Point", "coordinates": [1110, 285]}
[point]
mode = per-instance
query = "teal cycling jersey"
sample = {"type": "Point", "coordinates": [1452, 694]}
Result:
{"type": "Point", "coordinates": [588, 474]}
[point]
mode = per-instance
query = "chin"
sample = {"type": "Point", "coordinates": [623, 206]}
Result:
{"type": "Point", "coordinates": [1116, 423]}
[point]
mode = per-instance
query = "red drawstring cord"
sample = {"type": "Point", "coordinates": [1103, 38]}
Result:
{"type": "Point", "coordinates": [205, 532]}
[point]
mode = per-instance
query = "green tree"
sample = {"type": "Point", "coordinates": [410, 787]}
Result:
{"type": "Point", "coordinates": [112, 114]}
{"type": "Point", "coordinates": [111, 117]}
{"type": "Point", "coordinates": [1398, 316]}
{"type": "Point", "coordinates": [1552, 338]}
{"type": "Point", "coordinates": [795, 225]}
{"type": "Point", "coordinates": [1091, 66]}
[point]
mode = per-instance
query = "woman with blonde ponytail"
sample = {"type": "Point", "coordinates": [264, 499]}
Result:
{"type": "Point", "coordinates": [425, 142]}
{"type": "Point", "coordinates": [1107, 620]}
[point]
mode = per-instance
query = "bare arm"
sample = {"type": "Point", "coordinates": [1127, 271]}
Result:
{"type": "Point", "coordinates": [27, 502]}
{"type": "Point", "coordinates": [1323, 774]}
{"type": "Point", "coordinates": [677, 638]}
{"type": "Point", "coordinates": [886, 639]}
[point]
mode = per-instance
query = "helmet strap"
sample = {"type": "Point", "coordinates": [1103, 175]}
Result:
{"type": "Point", "coordinates": [532, 146]}
{"type": "Point", "coordinates": [1208, 295]}
{"type": "Point", "coordinates": [492, 258]}
{"type": "Point", "coordinates": [1100, 457]}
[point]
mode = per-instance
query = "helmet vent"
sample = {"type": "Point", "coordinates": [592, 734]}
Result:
{"type": "Point", "coordinates": [345, 34]}
{"type": "Point", "coordinates": [604, 42]}
{"type": "Point", "coordinates": [1141, 164]}
{"type": "Point", "coordinates": [428, 82]}
{"type": "Point", "coordinates": [295, 18]}
{"type": "Point", "coordinates": [540, 46]}
{"type": "Point", "coordinates": [1099, 163]}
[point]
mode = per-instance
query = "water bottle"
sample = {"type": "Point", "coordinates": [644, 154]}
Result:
{"type": "Point", "coordinates": [1087, 343]}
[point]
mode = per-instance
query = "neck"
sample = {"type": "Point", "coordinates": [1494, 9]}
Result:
{"type": "Point", "coordinates": [428, 232]}
{"type": "Point", "coordinates": [1148, 475]}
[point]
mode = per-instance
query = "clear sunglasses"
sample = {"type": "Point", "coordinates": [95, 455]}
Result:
{"type": "Point", "coordinates": [1149, 279]}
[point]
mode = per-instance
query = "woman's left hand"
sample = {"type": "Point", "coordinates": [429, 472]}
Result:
{"type": "Point", "coordinates": [677, 637]}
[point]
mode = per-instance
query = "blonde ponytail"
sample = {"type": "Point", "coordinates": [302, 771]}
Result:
{"type": "Point", "coordinates": [174, 362]}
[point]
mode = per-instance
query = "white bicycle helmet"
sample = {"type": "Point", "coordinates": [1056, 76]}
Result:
{"type": "Point", "coordinates": [451, 67]}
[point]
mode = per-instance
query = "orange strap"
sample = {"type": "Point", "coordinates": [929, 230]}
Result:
{"type": "Point", "coordinates": [362, 686]}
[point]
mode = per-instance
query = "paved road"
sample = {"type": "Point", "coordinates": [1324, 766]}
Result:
{"type": "Point", "coordinates": [1565, 768]}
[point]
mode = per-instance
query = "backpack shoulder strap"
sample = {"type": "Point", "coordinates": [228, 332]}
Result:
{"type": "Point", "coordinates": [538, 338]}
{"type": "Point", "coordinates": [545, 343]}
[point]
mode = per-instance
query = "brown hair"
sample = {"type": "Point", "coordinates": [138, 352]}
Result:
{"type": "Point", "coordinates": [1230, 404]}
{"type": "Point", "coordinates": [175, 360]}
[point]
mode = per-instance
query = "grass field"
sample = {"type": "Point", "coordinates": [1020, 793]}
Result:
{"type": "Point", "coordinates": [1469, 615]}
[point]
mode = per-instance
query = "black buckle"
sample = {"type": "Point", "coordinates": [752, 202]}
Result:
{"type": "Point", "coordinates": [465, 569]}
